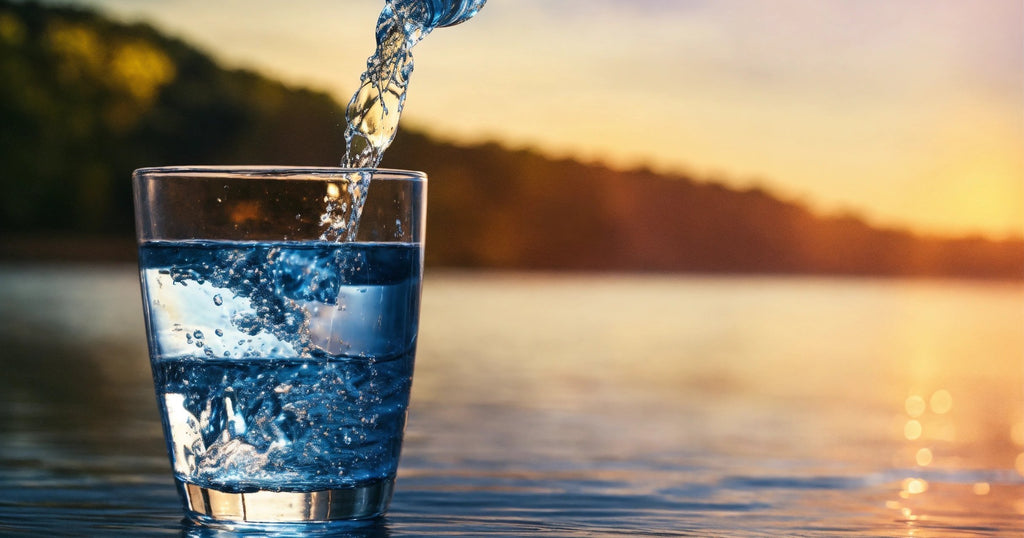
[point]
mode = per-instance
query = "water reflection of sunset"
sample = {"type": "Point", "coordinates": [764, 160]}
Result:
{"type": "Point", "coordinates": [791, 381]}
{"type": "Point", "coordinates": [959, 453]}
{"type": "Point", "coordinates": [597, 405]}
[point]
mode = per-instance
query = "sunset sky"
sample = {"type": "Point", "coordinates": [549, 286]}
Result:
{"type": "Point", "coordinates": [908, 112]}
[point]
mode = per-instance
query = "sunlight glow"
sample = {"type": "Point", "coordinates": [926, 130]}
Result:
{"type": "Point", "coordinates": [912, 430]}
{"type": "Point", "coordinates": [915, 486]}
{"type": "Point", "coordinates": [924, 457]}
{"type": "Point", "coordinates": [140, 69]}
{"type": "Point", "coordinates": [941, 402]}
{"type": "Point", "coordinates": [915, 406]}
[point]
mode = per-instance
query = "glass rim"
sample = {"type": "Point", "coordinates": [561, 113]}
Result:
{"type": "Point", "coordinates": [279, 172]}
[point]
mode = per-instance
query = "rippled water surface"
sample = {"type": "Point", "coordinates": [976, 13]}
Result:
{"type": "Point", "coordinates": [580, 406]}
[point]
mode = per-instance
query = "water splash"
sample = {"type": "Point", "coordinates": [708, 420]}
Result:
{"type": "Point", "coordinates": [343, 204]}
{"type": "Point", "coordinates": [373, 112]}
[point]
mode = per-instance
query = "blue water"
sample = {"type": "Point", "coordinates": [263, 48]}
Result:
{"type": "Point", "coordinates": [579, 406]}
{"type": "Point", "coordinates": [439, 13]}
{"type": "Point", "coordinates": [285, 425]}
{"type": "Point", "coordinates": [282, 366]}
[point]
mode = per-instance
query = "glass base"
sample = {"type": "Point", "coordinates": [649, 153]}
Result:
{"type": "Point", "coordinates": [207, 505]}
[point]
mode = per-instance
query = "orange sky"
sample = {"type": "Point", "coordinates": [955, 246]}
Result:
{"type": "Point", "coordinates": [909, 112]}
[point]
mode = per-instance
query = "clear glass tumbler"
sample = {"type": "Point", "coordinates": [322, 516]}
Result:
{"type": "Point", "coordinates": [282, 307]}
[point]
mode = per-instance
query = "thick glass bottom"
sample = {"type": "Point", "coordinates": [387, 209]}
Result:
{"type": "Point", "coordinates": [206, 505]}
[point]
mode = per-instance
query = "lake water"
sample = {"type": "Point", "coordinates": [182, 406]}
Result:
{"type": "Point", "coordinates": [580, 406]}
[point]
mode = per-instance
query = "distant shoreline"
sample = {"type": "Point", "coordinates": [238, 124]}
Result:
{"type": "Point", "coordinates": [70, 249]}
{"type": "Point", "coordinates": [66, 248]}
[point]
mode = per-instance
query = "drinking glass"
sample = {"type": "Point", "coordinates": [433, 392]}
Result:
{"type": "Point", "coordinates": [281, 307]}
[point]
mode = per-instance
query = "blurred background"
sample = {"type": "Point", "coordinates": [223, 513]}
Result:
{"type": "Point", "coordinates": [686, 260]}
{"type": "Point", "coordinates": [735, 136]}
